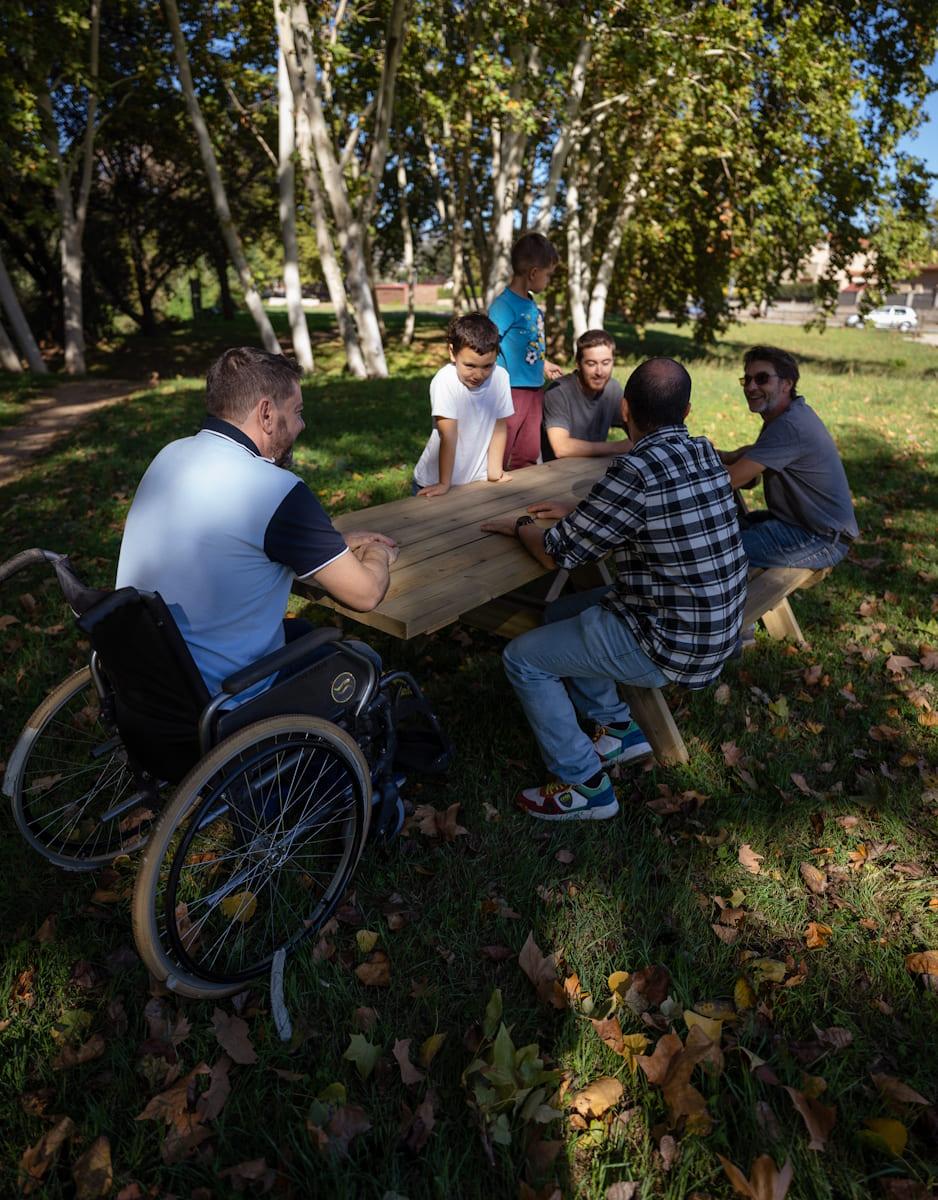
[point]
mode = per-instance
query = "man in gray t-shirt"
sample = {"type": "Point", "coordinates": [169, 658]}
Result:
{"type": "Point", "coordinates": [809, 520]}
{"type": "Point", "coordinates": [580, 410]}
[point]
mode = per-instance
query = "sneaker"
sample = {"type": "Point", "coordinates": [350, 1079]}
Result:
{"type": "Point", "coordinates": [570, 801]}
{"type": "Point", "coordinates": [617, 745]}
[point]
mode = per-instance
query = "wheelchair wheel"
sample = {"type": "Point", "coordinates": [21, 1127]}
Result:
{"type": "Point", "coordinates": [252, 854]}
{"type": "Point", "coordinates": [75, 799]}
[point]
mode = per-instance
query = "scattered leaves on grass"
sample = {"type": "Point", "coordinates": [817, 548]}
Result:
{"type": "Point", "coordinates": [46, 931]}
{"type": "Point", "coordinates": [92, 1172]}
{"type": "Point", "coordinates": [765, 1182]}
{"type": "Point", "coordinates": [648, 989]}
{"type": "Point", "coordinates": [233, 1037]}
{"type": "Point", "coordinates": [375, 971]}
{"type": "Point", "coordinates": [213, 1100]}
{"type": "Point", "coordinates": [364, 1019]}
{"type": "Point", "coordinates": [239, 906]}
{"type": "Point", "coordinates": [172, 1106]}
{"type": "Point", "coordinates": [886, 1135]}
{"type": "Point", "coordinates": [38, 1158]}
{"type": "Point", "coordinates": [629, 1046]}
{"type": "Point", "coordinates": [341, 1125]}
{"type": "Point", "coordinates": [597, 1097]}
{"type": "Point", "coordinates": [625, 1189]}
{"type": "Point", "coordinates": [749, 860]}
{"type": "Point", "coordinates": [670, 1067]}
{"type": "Point", "coordinates": [541, 969]}
{"type": "Point", "coordinates": [819, 1119]}
{"type": "Point", "coordinates": [923, 963]}
{"type": "Point", "coordinates": [362, 1053]}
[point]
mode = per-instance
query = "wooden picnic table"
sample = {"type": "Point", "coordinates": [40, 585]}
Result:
{"type": "Point", "coordinates": [447, 566]}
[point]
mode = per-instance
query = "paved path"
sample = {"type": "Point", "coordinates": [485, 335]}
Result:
{"type": "Point", "coordinates": [50, 416]}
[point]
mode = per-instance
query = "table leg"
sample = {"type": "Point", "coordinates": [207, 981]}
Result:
{"type": "Point", "coordinates": [650, 710]}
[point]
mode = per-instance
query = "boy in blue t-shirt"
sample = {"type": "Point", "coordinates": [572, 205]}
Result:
{"type": "Point", "coordinates": [523, 345]}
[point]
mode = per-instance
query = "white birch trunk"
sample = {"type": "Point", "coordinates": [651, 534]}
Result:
{"type": "Point", "coordinates": [509, 144]}
{"type": "Point", "coordinates": [216, 186]}
{"type": "Point", "coordinates": [605, 267]}
{"type": "Point", "coordinates": [9, 359]}
{"type": "Point", "coordinates": [575, 291]}
{"type": "Point", "coordinates": [286, 179]}
{"type": "Point", "coordinates": [10, 304]}
{"type": "Point", "coordinates": [348, 227]}
{"type": "Point", "coordinates": [561, 149]}
{"type": "Point", "coordinates": [324, 243]}
{"type": "Point", "coordinates": [410, 273]}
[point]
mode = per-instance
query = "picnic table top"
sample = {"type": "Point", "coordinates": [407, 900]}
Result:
{"type": "Point", "coordinates": [447, 565]}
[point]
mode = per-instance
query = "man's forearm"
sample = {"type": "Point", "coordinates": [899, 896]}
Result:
{"type": "Point", "coordinates": [569, 447]}
{"type": "Point", "coordinates": [374, 557]}
{"type": "Point", "coordinates": [728, 457]}
{"type": "Point", "coordinates": [532, 538]}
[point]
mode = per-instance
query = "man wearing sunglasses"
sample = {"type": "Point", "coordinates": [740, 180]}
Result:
{"type": "Point", "coordinates": [809, 519]}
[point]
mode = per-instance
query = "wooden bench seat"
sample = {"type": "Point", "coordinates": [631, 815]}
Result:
{"type": "Point", "coordinates": [767, 602]}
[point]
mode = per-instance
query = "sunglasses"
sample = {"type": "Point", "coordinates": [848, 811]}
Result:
{"type": "Point", "coordinates": [760, 379]}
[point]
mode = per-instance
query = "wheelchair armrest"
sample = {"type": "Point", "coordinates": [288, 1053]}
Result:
{"type": "Point", "coordinates": [286, 656]}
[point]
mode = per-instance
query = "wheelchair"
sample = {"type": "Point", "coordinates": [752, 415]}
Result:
{"type": "Point", "coordinates": [251, 816]}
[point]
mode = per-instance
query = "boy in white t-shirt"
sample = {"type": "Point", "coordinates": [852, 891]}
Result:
{"type": "Point", "coordinates": [470, 401]}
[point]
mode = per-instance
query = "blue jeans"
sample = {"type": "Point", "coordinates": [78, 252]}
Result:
{"type": "Point", "coordinates": [572, 665]}
{"type": "Point", "coordinates": [769, 542]}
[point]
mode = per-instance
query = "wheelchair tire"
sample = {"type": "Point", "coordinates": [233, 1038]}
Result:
{"type": "Point", "coordinates": [67, 771]}
{"type": "Point", "coordinates": [252, 854]}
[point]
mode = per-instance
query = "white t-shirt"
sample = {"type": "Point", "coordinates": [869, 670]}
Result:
{"type": "Point", "coordinates": [475, 412]}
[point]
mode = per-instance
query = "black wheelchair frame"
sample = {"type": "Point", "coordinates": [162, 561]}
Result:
{"type": "Point", "coordinates": [251, 817]}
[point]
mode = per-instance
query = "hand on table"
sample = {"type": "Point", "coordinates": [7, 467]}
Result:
{"type": "Point", "coordinates": [357, 538]}
{"type": "Point", "coordinates": [551, 510]}
{"type": "Point", "coordinates": [505, 525]}
{"type": "Point", "coordinates": [503, 478]}
{"type": "Point", "coordinates": [434, 489]}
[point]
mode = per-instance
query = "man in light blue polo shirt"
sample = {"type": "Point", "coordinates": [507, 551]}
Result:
{"type": "Point", "coordinates": [220, 526]}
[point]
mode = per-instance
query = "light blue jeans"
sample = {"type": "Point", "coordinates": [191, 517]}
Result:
{"type": "Point", "coordinates": [571, 665]}
{"type": "Point", "coordinates": [769, 542]}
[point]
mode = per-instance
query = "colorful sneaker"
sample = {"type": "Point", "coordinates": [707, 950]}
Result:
{"type": "Point", "coordinates": [617, 745]}
{"type": "Point", "coordinates": [570, 801]}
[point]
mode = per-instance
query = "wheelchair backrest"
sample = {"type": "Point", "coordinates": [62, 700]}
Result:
{"type": "Point", "coordinates": [159, 694]}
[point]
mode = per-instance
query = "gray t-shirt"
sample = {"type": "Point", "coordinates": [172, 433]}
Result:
{"type": "Point", "coordinates": [588, 418]}
{"type": "Point", "coordinates": [805, 483]}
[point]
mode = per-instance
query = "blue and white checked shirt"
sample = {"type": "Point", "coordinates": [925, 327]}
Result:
{"type": "Point", "coordinates": [666, 513]}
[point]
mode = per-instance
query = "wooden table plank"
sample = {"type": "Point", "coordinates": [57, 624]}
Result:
{"type": "Point", "coordinates": [447, 565]}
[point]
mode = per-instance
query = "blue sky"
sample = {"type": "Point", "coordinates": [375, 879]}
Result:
{"type": "Point", "coordinates": [925, 144]}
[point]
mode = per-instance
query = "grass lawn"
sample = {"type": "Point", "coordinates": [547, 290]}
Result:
{"type": "Point", "coordinates": [823, 755]}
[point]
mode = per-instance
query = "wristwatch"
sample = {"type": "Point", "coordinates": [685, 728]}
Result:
{"type": "Point", "coordinates": [524, 519]}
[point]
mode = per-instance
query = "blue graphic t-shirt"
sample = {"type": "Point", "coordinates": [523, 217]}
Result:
{"type": "Point", "coordinates": [523, 347]}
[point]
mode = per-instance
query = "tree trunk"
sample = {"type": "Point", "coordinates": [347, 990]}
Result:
{"type": "Point", "coordinates": [21, 331]}
{"type": "Point", "coordinates": [286, 178]}
{"type": "Point", "coordinates": [575, 289]}
{"type": "Point", "coordinates": [72, 215]}
{"type": "Point", "coordinates": [610, 252]}
{"type": "Point", "coordinates": [410, 272]}
{"type": "Point", "coordinates": [219, 198]}
{"type": "Point", "coordinates": [220, 263]}
{"type": "Point", "coordinates": [561, 150]}
{"type": "Point", "coordinates": [351, 222]}
{"type": "Point", "coordinates": [9, 359]}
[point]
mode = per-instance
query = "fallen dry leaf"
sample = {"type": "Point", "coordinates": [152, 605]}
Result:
{"type": "Point", "coordinates": [364, 1019]}
{"type": "Point", "coordinates": [213, 1099]}
{"type": "Point", "coordinates": [657, 1064]}
{"type": "Point", "coordinates": [599, 1096]}
{"type": "Point", "coordinates": [819, 1118]}
{"type": "Point", "coordinates": [749, 859]}
{"type": "Point", "coordinates": [366, 939]}
{"type": "Point", "coordinates": [648, 988]}
{"type": "Point", "coordinates": [38, 1158]}
{"type": "Point", "coordinates": [430, 1048]}
{"type": "Point", "coordinates": [362, 1053]}
{"type": "Point", "coordinates": [409, 1073]}
{"type": "Point", "coordinates": [726, 933]}
{"type": "Point", "coordinates": [435, 823]}
{"type": "Point", "coordinates": [732, 755]}
{"type": "Point", "coordinates": [815, 880]}
{"type": "Point", "coordinates": [765, 1182]}
{"type": "Point", "coordinates": [895, 1090]}
{"type": "Point", "coordinates": [418, 1125]}
{"type": "Point", "coordinates": [172, 1105]}
{"type": "Point", "coordinates": [722, 694]}
{"type": "Point", "coordinates": [923, 963]}
{"type": "Point", "coordinates": [74, 1056]}
{"type": "Point", "coordinates": [885, 1134]}
{"type": "Point", "coordinates": [233, 1037]}
{"type": "Point", "coordinates": [255, 1173]}
{"type": "Point", "coordinates": [542, 972]}
{"type": "Point", "coordinates": [92, 1172]}
{"type": "Point", "coordinates": [817, 935]}
{"type": "Point", "coordinates": [375, 971]}
{"type": "Point", "coordinates": [625, 1189]}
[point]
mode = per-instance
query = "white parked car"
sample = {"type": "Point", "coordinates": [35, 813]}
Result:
{"type": "Point", "coordinates": [890, 316]}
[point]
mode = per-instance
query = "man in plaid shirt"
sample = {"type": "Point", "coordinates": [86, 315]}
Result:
{"type": "Point", "coordinates": [666, 514]}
